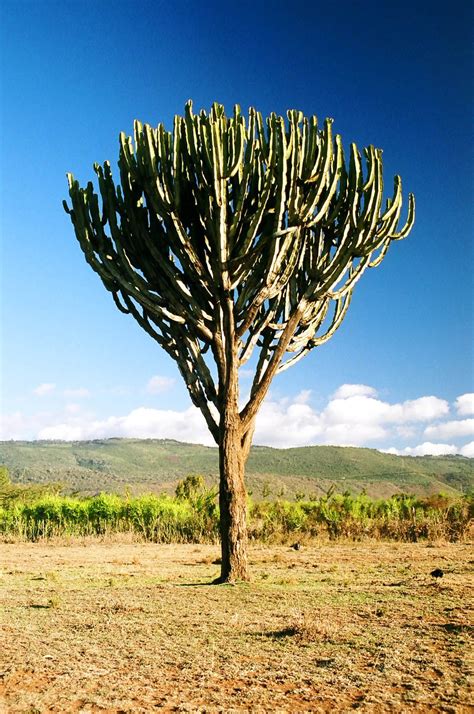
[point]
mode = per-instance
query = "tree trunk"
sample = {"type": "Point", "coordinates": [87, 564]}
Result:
{"type": "Point", "coordinates": [233, 507]}
{"type": "Point", "coordinates": [232, 492]}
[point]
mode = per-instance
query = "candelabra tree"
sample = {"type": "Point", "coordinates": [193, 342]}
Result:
{"type": "Point", "coordinates": [229, 238]}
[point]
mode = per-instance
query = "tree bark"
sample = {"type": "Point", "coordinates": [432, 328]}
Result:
{"type": "Point", "coordinates": [232, 504]}
{"type": "Point", "coordinates": [233, 453]}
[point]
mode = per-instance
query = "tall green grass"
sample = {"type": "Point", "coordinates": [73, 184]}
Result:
{"type": "Point", "coordinates": [401, 517]}
{"type": "Point", "coordinates": [193, 516]}
{"type": "Point", "coordinates": [160, 519]}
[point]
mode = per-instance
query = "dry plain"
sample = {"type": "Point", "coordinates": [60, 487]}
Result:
{"type": "Point", "coordinates": [97, 626]}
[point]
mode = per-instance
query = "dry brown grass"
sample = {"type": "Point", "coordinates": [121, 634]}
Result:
{"type": "Point", "coordinates": [124, 627]}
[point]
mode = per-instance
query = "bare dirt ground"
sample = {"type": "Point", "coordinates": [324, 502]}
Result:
{"type": "Point", "coordinates": [123, 627]}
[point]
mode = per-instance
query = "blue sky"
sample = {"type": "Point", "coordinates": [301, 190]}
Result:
{"type": "Point", "coordinates": [398, 75]}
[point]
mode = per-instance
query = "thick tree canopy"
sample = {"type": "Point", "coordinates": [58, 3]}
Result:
{"type": "Point", "coordinates": [265, 215]}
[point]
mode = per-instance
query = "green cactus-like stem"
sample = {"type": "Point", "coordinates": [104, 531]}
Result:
{"type": "Point", "coordinates": [235, 235]}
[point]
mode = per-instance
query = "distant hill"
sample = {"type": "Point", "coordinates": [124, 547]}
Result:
{"type": "Point", "coordinates": [157, 465]}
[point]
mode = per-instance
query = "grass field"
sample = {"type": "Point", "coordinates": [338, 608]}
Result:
{"type": "Point", "coordinates": [91, 626]}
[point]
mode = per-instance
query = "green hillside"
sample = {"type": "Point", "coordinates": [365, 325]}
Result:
{"type": "Point", "coordinates": [157, 465]}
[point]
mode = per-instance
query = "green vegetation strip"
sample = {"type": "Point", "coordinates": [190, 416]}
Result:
{"type": "Point", "coordinates": [192, 516]}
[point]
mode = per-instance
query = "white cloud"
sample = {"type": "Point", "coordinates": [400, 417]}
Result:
{"type": "Point", "coordinates": [422, 409]}
{"type": "Point", "coordinates": [12, 426]}
{"type": "Point", "coordinates": [425, 449]}
{"type": "Point", "coordinates": [42, 389]}
{"type": "Point", "coordinates": [63, 432]}
{"type": "Point", "coordinates": [354, 435]}
{"type": "Point", "coordinates": [356, 410]}
{"type": "Point", "coordinates": [354, 390]}
{"type": "Point", "coordinates": [429, 448]}
{"type": "Point", "coordinates": [282, 424]}
{"type": "Point", "coordinates": [358, 419]}
{"type": "Point", "coordinates": [353, 416]}
{"type": "Point", "coordinates": [451, 429]}
{"type": "Point", "coordinates": [79, 393]}
{"type": "Point", "coordinates": [141, 423]}
{"type": "Point", "coordinates": [465, 404]}
{"type": "Point", "coordinates": [468, 450]}
{"type": "Point", "coordinates": [20, 426]}
{"type": "Point", "coordinates": [159, 384]}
